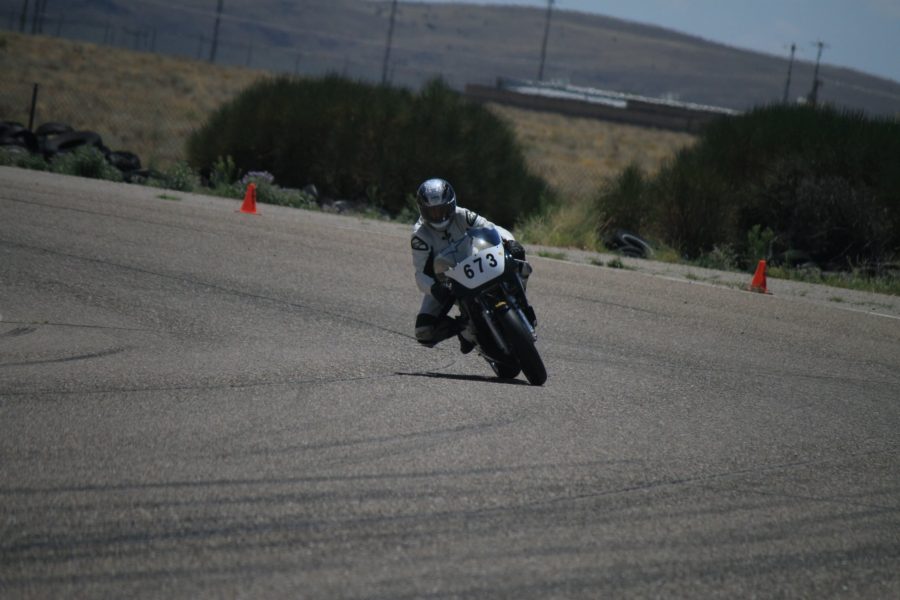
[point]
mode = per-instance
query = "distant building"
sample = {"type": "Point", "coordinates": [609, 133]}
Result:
{"type": "Point", "coordinates": [664, 113]}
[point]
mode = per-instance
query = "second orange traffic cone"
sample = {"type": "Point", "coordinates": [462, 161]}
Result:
{"type": "Point", "coordinates": [249, 205]}
{"type": "Point", "coordinates": [758, 283]}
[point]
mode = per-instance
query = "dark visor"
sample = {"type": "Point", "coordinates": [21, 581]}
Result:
{"type": "Point", "coordinates": [437, 214]}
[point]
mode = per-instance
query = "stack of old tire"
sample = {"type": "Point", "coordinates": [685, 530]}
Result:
{"type": "Point", "coordinates": [628, 244]}
{"type": "Point", "coordinates": [54, 139]}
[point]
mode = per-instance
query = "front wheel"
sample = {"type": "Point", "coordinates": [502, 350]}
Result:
{"type": "Point", "coordinates": [504, 370]}
{"type": "Point", "coordinates": [522, 347]}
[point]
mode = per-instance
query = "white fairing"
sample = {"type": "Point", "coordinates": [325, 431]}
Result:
{"type": "Point", "coordinates": [473, 270]}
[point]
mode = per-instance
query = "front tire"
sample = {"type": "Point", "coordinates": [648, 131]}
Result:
{"type": "Point", "coordinates": [503, 370]}
{"type": "Point", "coordinates": [522, 347]}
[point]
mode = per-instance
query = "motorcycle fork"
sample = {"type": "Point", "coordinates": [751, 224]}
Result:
{"type": "Point", "coordinates": [514, 305]}
{"type": "Point", "coordinates": [487, 314]}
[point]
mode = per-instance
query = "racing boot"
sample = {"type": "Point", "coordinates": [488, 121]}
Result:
{"type": "Point", "coordinates": [431, 330]}
{"type": "Point", "coordinates": [465, 345]}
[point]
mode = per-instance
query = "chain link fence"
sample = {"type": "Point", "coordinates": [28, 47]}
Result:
{"type": "Point", "coordinates": [149, 118]}
{"type": "Point", "coordinates": [150, 108]}
{"type": "Point", "coordinates": [358, 59]}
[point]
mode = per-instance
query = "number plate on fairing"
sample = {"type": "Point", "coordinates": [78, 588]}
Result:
{"type": "Point", "coordinates": [479, 268]}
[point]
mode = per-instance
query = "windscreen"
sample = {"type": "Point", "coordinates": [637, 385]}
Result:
{"type": "Point", "coordinates": [484, 237]}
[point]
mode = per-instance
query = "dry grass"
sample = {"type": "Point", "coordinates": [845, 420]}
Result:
{"type": "Point", "coordinates": [145, 103]}
{"type": "Point", "coordinates": [575, 155]}
{"type": "Point", "coordinates": [149, 103]}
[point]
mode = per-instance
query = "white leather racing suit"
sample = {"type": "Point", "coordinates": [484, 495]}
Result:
{"type": "Point", "coordinates": [427, 243]}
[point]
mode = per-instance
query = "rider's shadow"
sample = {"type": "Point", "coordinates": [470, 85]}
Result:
{"type": "Point", "coordinates": [481, 378]}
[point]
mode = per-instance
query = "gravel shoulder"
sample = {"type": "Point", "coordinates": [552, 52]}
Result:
{"type": "Point", "coordinates": [878, 305]}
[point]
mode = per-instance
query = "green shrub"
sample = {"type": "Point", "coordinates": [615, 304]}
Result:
{"type": "Point", "coordinates": [759, 243]}
{"type": "Point", "coordinates": [372, 143]}
{"type": "Point", "coordinates": [224, 172]}
{"type": "Point", "coordinates": [24, 160]}
{"type": "Point", "coordinates": [625, 201]}
{"type": "Point", "coordinates": [810, 180]}
{"type": "Point", "coordinates": [723, 258]}
{"type": "Point", "coordinates": [269, 193]}
{"type": "Point", "coordinates": [85, 161]}
{"type": "Point", "coordinates": [180, 177]}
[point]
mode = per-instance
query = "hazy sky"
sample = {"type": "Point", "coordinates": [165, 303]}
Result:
{"type": "Point", "coordinates": [862, 34]}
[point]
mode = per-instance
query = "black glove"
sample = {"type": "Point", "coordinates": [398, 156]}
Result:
{"type": "Point", "coordinates": [515, 249]}
{"type": "Point", "coordinates": [441, 292]}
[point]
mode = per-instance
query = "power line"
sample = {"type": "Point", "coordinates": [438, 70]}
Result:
{"type": "Point", "coordinates": [215, 40]}
{"type": "Point", "coordinates": [544, 43]}
{"type": "Point", "coordinates": [108, 35]}
{"type": "Point", "coordinates": [319, 33]}
{"type": "Point", "coordinates": [24, 18]}
{"type": "Point", "coordinates": [387, 47]}
{"type": "Point", "coordinates": [787, 85]}
{"type": "Point", "coordinates": [37, 22]}
{"type": "Point", "coordinates": [817, 83]}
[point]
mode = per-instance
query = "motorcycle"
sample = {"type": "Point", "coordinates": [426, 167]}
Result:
{"type": "Point", "coordinates": [488, 288]}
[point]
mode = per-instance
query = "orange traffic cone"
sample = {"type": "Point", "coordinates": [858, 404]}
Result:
{"type": "Point", "coordinates": [758, 284]}
{"type": "Point", "coordinates": [249, 205]}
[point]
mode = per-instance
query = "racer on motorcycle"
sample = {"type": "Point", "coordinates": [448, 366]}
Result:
{"type": "Point", "coordinates": [442, 222]}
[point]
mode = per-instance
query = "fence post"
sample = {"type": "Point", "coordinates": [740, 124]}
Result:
{"type": "Point", "coordinates": [33, 105]}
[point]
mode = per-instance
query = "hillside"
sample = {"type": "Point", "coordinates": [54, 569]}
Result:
{"type": "Point", "coordinates": [149, 103]}
{"type": "Point", "coordinates": [141, 102]}
{"type": "Point", "coordinates": [462, 43]}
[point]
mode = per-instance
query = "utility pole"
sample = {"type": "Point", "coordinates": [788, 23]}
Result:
{"type": "Point", "coordinates": [787, 85]}
{"type": "Point", "coordinates": [39, 15]}
{"type": "Point", "coordinates": [24, 18]}
{"type": "Point", "coordinates": [544, 44]}
{"type": "Point", "coordinates": [36, 16]}
{"type": "Point", "coordinates": [215, 40]}
{"type": "Point", "coordinates": [387, 47]}
{"type": "Point", "coordinates": [817, 83]}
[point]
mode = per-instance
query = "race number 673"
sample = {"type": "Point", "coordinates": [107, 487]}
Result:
{"type": "Point", "coordinates": [470, 272]}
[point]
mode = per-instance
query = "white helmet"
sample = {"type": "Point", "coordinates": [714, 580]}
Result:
{"type": "Point", "coordinates": [437, 203]}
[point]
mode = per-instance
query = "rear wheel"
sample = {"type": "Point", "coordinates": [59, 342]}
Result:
{"type": "Point", "coordinates": [522, 347]}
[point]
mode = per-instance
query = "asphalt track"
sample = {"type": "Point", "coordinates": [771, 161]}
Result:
{"type": "Point", "coordinates": [201, 403]}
